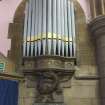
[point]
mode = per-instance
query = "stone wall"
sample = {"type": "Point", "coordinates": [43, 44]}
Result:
{"type": "Point", "coordinates": [85, 83]}
{"type": "Point", "coordinates": [82, 92]}
{"type": "Point", "coordinates": [97, 27]}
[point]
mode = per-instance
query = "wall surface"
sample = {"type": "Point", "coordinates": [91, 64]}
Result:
{"type": "Point", "coordinates": [84, 84]}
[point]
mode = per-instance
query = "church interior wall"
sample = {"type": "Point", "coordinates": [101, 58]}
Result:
{"type": "Point", "coordinates": [81, 91]}
{"type": "Point", "coordinates": [85, 84]}
{"type": "Point", "coordinates": [83, 88]}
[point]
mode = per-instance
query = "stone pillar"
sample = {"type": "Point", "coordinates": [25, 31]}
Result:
{"type": "Point", "coordinates": [97, 7]}
{"type": "Point", "coordinates": [97, 27]}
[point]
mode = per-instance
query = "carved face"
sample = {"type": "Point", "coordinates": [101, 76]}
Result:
{"type": "Point", "coordinates": [47, 83]}
{"type": "Point", "coordinates": [45, 86]}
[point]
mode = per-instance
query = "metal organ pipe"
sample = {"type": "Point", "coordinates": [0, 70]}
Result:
{"type": "Point", "coordinates": [29, 28]}
{"type": "Point", "coordinates": [39, 25]}
{"type": "Point", "coordinates": [70, 28]}
{"type": "Point", "coordinates": [58, 26]}
{"type": "Point", "coordinates": [66, 28]}
{"type": "Point", "coordinates": [62, 26]}
{"type": "Point", "coordinates": [33, 27]}
{"type": "Point", "coordinates": [36, 27]}
{"type": "Point", "coordinates": [73, 29]}
{"type": "Point", "coordinates": [44, 27]}
{"type": "Point", "coordinates": [25, 30]}
{"type": "Point", "coordinates": [54, 27]}
{"type": "Point", "coordinates": [49, 28]}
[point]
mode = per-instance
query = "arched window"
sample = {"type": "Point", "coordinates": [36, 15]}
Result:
{"type": "Point", "coordinates": [49, 28]}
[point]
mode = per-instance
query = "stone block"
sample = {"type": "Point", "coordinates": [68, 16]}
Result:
{"type": "Point", "coordinates": [100, 42]}
{"type": "Point", "coordinates": [82, 101]}
{"type": "Point", "coordinates": [29, 101]}
{"type": "Point", "coordinates": [95, 101]}
{"type": "Point", "coordinates": [87, 70]}
{"type": "Point", "coordinates": [83, 91]}
{"type": "Point", "coordinates": [82, 70]}
{"type": "Point", "coordinates": [78, 101]}
{"type": "Point", "coordinates": [21, 101]}
{"type": "Point", "coordinates": [82, 82]}
{"type": "Point", "coordinates": [93, 70]}
{"type": "Point", "coordinates": [102, 72]}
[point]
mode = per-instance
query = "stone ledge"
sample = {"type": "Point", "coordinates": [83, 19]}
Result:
{"type": "Point", "coordinates": [86, 77]}
{"type": "Point", "coordinates": [11, 77]}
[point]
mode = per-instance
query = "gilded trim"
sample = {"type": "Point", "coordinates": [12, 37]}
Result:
{"type": "Point", "coordinates": [48, 36]}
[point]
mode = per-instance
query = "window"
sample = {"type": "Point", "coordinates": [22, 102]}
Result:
{"type": "Point", "coordinates": [2, 66]}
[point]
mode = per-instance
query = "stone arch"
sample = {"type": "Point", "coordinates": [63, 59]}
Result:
{"type": "Point", "coordinates": [85, 47]}
{"type": "Point", "coordinates": [16, 29]}
{"type": "Point", "coordinates": [85, 5]}
{"type": "Point", "coordinates": [19, 13]}
{"type": "Point", "coordinates": [15, 33]}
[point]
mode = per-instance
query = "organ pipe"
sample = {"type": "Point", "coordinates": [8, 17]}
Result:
{"type": "Point", "coordinates": [29, 28]}
{"type": "Point", "coordinates": [44, 27]}
{"type": "Point", "coordinates": [39, 25]}
{"type": "Point", "coordinates": [54, 27]}
{"type": "Point", "coordinates": [66, 27]}
{"type": "Point", "coordinates": [36, 27]}
{"type": "Point", "coordinates": [70, 28]}
{"type": "Point", "coordinates": [59, 25]}
{"type": "Point", "coordinates": [62, 26]}
{"type": "Point", "coordinates": [49, 28]}
{"type": "Point", "coordinates": [73, 29]}
{"type": "Point", "coordinates": [33, 27]}
{"type": "Point", "coordinates": [25, 31]}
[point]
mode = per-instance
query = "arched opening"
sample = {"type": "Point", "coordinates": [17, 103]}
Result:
{"type": "Point", "coordinates": [17, 35]}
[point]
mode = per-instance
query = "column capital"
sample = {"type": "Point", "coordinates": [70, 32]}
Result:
{"type": "Point", "coordinates": [97, 26]}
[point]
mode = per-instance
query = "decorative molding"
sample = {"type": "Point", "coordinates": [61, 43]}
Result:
{"type": "Point", "coordinates": [97, 26]}
{"type": "Point", "coordinates": [87, 77]}
{"type": "Point", "coordinates": [50, 74]}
